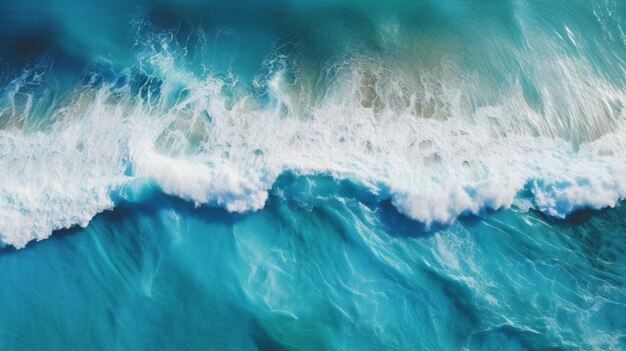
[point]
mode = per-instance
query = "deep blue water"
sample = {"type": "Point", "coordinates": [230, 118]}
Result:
{"type": "Point", "coordinates": [298, 175]}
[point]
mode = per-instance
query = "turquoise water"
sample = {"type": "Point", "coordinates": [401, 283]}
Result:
{"type": "Point", "coordinates": [343, 272]}
{"type": "Point", "coordinates": [341, 175]}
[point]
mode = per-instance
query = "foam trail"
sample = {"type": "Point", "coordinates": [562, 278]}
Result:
{"type": "Point", "coordinates": [436, 137]}
{"type": "Point", "coordinates": [203, 151]}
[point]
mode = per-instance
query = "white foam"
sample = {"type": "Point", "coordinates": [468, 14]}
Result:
{"type": "Point", "coordinates": [216, 184]}
{"type": "Point", "coordinates": [206, 151]}
{"type": "Point", "coordinates": [54, 181]}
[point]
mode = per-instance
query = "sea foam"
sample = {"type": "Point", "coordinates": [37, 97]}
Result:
{"type": "Point", "coordinates": [426, 151]}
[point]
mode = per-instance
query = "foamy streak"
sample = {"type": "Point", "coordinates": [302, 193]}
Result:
{"type": "Point", "coordinates": [432, 169]}
{"type": "Point", "coordinates": [55, 181]}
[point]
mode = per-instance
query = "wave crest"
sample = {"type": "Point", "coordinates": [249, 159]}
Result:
{"type": "Point", "coordinates": [211, 142]}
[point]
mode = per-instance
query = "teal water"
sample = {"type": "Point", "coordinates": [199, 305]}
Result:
{"type": "Point", "coordinates": [345, 272]}
{"type": "Point", "coordinates": [297, 175]}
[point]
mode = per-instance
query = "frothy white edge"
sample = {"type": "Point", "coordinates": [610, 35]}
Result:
{"type": "Point", "coordinates": [432, 170]}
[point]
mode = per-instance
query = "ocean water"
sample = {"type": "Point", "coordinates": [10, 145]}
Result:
{"type": "Point", "coordinates": [329, 175]}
